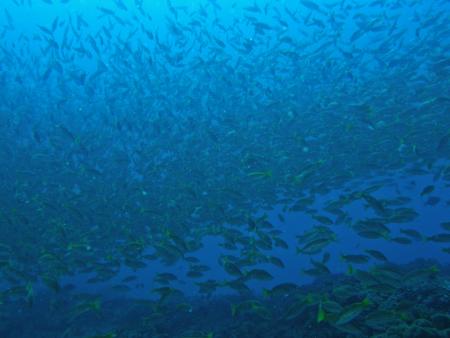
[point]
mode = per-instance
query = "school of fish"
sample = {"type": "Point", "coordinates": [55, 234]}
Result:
{"type": "Point", "coordinates": [127, 138]}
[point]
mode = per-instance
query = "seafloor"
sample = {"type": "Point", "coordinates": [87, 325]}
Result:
{"type": "Point", "coordinates": [419, 306]}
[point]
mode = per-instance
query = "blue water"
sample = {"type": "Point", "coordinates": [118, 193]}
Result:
{"type": "Point", "coordinates": [136, 134]}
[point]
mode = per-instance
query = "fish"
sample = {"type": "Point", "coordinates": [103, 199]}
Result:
{"type": "Point", "coordinates": [166, 291]}
{"type": "Point", "coordinates": [351, 312]}
{"type": "Point", "coordinates": [401, 240]}
{"type": "Point", "coordinates": [281, 290]}
{"type": "Point", "coordinates": [433, 200]}
{"type": "Point", "coordinates": [443, 143]}
{"type": "Point", "coordinates": [412, 233]}
{"type": "Point", "coordinates": [355, 259]}
{"type": "Point", "coordinates": [445, 225]}
{"type": "Point", "coordinates": [321, 315]}
{"type": "Point", "coordinates": [382, 319]}
{"type": "Point", "coordinates": [323, 219]}
{"type": "Point", "coordinates": [276, 261]}
{"type": "Point", "coordinates": [372, 228]}
{"type": "Point", "coordinates": [377, 255]}
{"type": "Point", "coordinates": [314, 246]}
{"type": "Point", "coordinates": [427, 190]}
{"type": "Point", "coordinates": [232, 269]}
{"type": "Point", "coordinates": [261, 174]}
{"type": "Point", "coordinates": [439, 238]}
{"type": "Point", "coordinates": [280, 243]}
{"type": "Point", "coordinates": [106, 11]}
{"type": "Point", "coordinates": [194, 274]}
{"type": "Point", "coordinates": [121, 5]}
{"type": "Point", "coordinates": [377, 205]}
{"type": "Point", "coordinates": [312, 6]}
{"type": "Point", "coordinates": [250, 306]}
{"type": "Point", "coordinates": [254, 8]}
{"type": "Point", "coordinates": [258, 274]}
{"type": "Point", "coordinates": [165, 278]}
{"type": "Point", "coordinates": [123, 288]}
{"type": "Point", "coordinates": [403, 215]}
